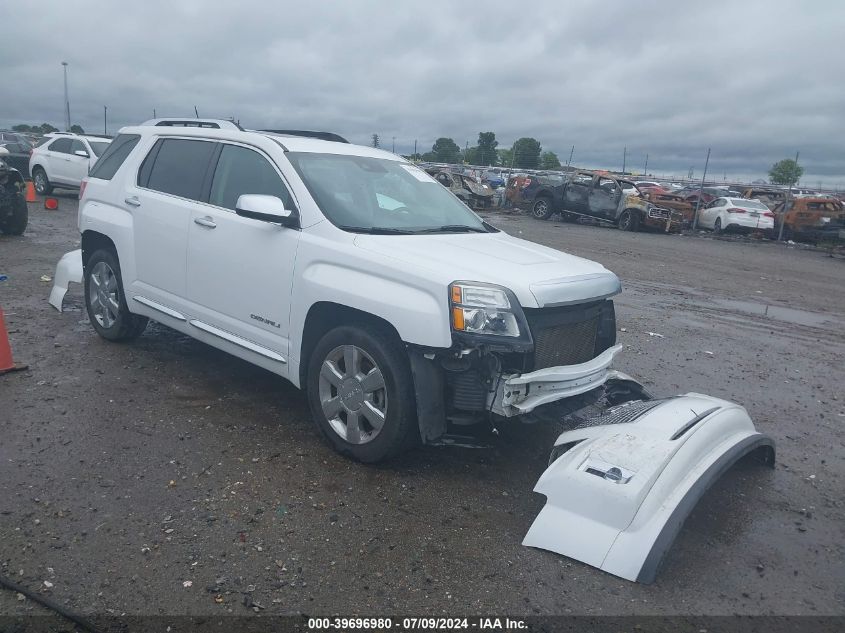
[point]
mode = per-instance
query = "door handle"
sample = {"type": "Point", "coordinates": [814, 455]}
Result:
{"type": "Point", "coordinates": [133, 201]}
{"type": "Point", "coordinates": [206, 222]}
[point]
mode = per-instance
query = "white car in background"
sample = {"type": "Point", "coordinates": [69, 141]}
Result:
{"type": "Point", "coordinates": [63, 160]}
{"type": "Point", "coordinates": [736, 214]}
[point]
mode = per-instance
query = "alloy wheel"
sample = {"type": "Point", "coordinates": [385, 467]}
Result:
{"type": "Point", "coordinates": [103, 295]}
{"type": "Point", "coordinates": [353, 394]}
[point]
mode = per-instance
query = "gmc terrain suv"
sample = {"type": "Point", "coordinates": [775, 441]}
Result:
{"type": "Point", "coordinates": [344, 269]}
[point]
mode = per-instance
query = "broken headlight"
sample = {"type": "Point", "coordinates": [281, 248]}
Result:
{"type": "Point", "coordinates": [483, 309]}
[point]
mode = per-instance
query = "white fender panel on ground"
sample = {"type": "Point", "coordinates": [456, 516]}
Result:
{"type": "Point", "coordinates": [623, 484]}
{"type": "Point", "coordinates": [68, 269]}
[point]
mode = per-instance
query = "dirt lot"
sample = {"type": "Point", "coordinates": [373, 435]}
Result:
{"type": "Point", "coordinates": [128, 470]}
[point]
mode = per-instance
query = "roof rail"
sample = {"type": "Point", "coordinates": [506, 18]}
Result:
{"type": "Point", "coordinates": [215, 124]}
{"type": "Point", "coordinates": [326, 136]}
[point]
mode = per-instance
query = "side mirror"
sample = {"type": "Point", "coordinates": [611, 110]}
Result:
{"type": "Point", "coordinates": [81, 152]}
{"type": "Point", "coordinates": [3, 151]}
{"type": "Point", "coordinates": [264, 208]}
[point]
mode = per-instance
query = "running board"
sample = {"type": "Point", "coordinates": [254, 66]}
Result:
{"type": "Point", "coordinates": [619, 488]}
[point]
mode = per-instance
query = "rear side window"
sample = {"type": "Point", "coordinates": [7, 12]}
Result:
{"type": "Point", "coordinates": [177, 166]}
{"type": "Point", "coordinates": [60, 145]}
{"type": "Point", "coordinates": [241, 171]}
{"type": "Point", "coordinates": [113, 157]}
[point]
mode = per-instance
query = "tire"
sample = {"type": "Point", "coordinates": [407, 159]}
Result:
{"type": "Point", "coordinates": [342, 364]}
{"type": "Point", "coordinates": [542, 208]}
{"type": "Point", "coordinates": [16, 223]}
{"type": "Point", "coordinates": [717, 226]}
{"type": "Point", "coordinates": [107, 310]}
{"type": "Point", "coordinates": [629, 220]}
{"type": "Point", "coordinates": [41, 182]}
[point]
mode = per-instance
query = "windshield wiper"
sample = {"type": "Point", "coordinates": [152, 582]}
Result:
{"type": "Point", "coordinates": [453, 228]}
{"type": "Point", "coordinates": [376, 230]}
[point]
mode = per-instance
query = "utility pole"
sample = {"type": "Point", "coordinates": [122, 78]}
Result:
{"type": "Point", "coordinates": [624, 159]}
{"type": "Point", "coordinates": [415, 149]}
{"type": "Point", "coordinates": [785, 203]}
{"type": "Point", "coordinates": [571, 152]}
{"type": "Point", "coordinates": [700, 189]}
{"type": "Point", "coordinates": [67, 101]}
{"type": "Point", "coordinates": [154, 113]}
{"type": "Point", "coordinates": [645, 169]}
{"type": "Point", "coordinates": [393, 149]}
{"type": "Point", "coordinates": [105, 120]}
{"type": "Point", "coordinates": [196, 112]}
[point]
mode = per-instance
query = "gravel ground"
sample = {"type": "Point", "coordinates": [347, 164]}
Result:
{"type": "Point", "coordinates": [166, 477]}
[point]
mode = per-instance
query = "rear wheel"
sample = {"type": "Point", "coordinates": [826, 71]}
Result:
{"type": "Point", "coordinates": [106, 301]}
{"type": "Point", "coordinates": [542, 209]}
{"type": "Point", "coordinates": [360, 392]}
{"type": "Point", "coordinates": [16, 223]}
{"type": "Point", "coordinates": [629, 220]}
{"type": "Point", "coordinates": [42, 183]}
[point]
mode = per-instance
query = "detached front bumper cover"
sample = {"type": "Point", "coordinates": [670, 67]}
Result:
{"type": "Point", "coordinates": [620, 487]}
{"type": "Point", "coordinates": [68, 269]}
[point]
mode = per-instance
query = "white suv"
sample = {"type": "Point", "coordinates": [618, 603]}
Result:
{"type": "Point", "coordinates": [63, 160]}
{"type": "Point", "coordinates": [344, 269]}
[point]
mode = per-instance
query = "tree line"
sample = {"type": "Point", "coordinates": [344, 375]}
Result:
{"type": "Point", "coordinates": [44, 128]}
{"type": "Point", "coordinates": [525, 153]}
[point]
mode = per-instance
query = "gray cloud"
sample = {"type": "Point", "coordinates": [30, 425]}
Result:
{"type": "Point", "coordinates": [755, 81]}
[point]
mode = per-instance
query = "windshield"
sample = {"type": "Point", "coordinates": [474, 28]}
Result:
{"type": "Point", "coordinates": [372, 195]}
{"type": "Point", "coordinates": [98, 147]}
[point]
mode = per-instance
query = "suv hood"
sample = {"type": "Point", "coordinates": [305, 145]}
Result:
{"type": "Point", "coordinates": [538, 276]}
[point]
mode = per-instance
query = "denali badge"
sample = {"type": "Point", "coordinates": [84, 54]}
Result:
{"type": "Point", "coordinates": [263, 320]}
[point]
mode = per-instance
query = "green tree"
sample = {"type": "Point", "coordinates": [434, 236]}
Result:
{"type": "Point", "coordinates": [505, 156]}
{"type": "Point", "coordinates": [77, 129]}
{"type": "Point", "coordinates": [44, 128]}
{"type": "Point", "coordinates": [22, 127]}
{"type": "Point", "coordinates": [549, 160]}
{"type": "Point", "coordinates": [446, 150]}
{"type": "Point", "coordinates": [785, 172]}
{"type": "Point", "coordinates": [375, 142]}
{"type": "Point", "coordinates": [527, 153]}
{"type": "Point", "coordinates": [429, 157]}
{"type": "Point", "coordinates": [486, 150]}
{"type": "Point", "coordinates": [471, 156]}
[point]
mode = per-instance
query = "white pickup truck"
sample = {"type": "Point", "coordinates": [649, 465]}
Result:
{"type": "Point", "coordinates": [404, 315]}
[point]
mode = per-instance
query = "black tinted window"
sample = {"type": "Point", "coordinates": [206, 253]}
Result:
{"type": "Point", "coordinates": [77, 146]}
{"type": "Point", "coordinates": [60, 145]}
{"type": "Point", "coordinates": [113, 157]}
{"type": "Point", "coordinates": [241, 170]}
{"type": "Point", "coordinates": [179, 167]}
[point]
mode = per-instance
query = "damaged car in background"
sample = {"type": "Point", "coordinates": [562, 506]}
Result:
{"type": "Point", "coordinates": [474, 194]}
{"type": "Point", "coordinates": [605, 199]}
{"type": "Point", "coordinates": [810, 219]}
{"type": "Point", "coordinates": [404, 316]}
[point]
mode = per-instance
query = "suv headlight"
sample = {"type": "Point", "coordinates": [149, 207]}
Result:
{"type": "Point", "coordinates": [482, 309]}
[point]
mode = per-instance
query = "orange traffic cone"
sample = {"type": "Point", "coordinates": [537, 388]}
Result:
{"type": "Point", "coordinates": [30, 191]}
{"type": "Point", "coordinates": [6, 362]}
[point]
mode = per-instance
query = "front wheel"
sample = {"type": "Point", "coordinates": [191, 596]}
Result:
{"type": "Point", "coordinates": [106, 301]}
{"type": "Point", "coordinates": [629, 220]}
{"type": "Point", "coordinates": [360, 392]}
{"type": "Point", "coordinates": [717, 226]}
{"type": "Point", "coordinates": [542, 209]}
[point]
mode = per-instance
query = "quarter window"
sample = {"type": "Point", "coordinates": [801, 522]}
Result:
{"type": "Point", "coordinates": [179, 167]}
{"type": "Point", "coordinates": [113, 157]}
{"type": "Point", "coordinates": [243, 171]}
{"type": "Point", "coordinates": [60, 145]}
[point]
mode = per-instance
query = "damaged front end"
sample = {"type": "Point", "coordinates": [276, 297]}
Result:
{"type": "Point", "coordinates": [657, 216]}
{"type": "Point", "coordinates": [620, 485]}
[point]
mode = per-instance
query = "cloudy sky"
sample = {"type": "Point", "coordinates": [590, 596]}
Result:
{"type": "Point", "coordinates": [754, 81]}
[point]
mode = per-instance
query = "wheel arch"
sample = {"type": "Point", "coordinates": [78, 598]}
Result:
{"type": "Point", "coordinates": [93, 241]}
{"type": "Point", "coordinates": [323, 316]}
